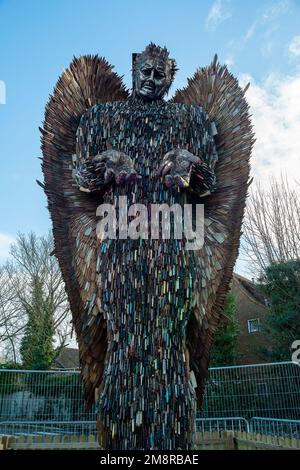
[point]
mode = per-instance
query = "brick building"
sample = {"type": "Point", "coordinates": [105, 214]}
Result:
{"type": "Point", "coordinates": [251, 308]}
{"type": "Point", "coordinates": [68, 358]}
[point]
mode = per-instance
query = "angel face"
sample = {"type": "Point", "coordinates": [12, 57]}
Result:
{"type": "Point", "coordinates": [152, 79]}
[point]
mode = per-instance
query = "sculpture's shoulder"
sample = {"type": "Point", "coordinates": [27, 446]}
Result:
{"type": "Point", "coordinates": [193, 115]}
{"type": "Point", "coordinates": [191, 110]}
{"type": "Point", "coordinates": [162, 108]}
{"type": "Point", "coordinates": [167, 107]}
{"type": "Point", "coordinates": [98, 111]}
{"type": "Point", "coordinates": [103, 113]}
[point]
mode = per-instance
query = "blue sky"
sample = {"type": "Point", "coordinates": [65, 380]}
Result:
{"type": "Point", "coordinates": [259, 40]}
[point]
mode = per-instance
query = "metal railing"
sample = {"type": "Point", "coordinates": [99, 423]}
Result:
{"type": "Point", "coordinates": [266, 390]}
{"type": "Point", "coordinates": [52, 401]}
{"type": "Point", "coordinates": [48, 428]}
{"type": "Point", "coordinates": [275, 427]}
{"type": "Point", "coordinates": [42, 396]}
{"type": "Point", "coordinates": [211, 425]}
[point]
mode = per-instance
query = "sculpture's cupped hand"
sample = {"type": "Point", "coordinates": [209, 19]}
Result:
{"type": "Point", "coordinates": [115, 166]}
{"type": "Point", "coordinates": [111, 166]}
{"type": "Point", "coordinates": [177, 166]}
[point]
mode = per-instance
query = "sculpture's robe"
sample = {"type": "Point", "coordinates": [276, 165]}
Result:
{"type": "Point", "coordinates": [146, 287]}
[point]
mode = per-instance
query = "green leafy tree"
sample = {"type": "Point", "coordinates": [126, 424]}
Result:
{"type": "Point", "coordinates": [37, 345]}
{"type": "Point", "coordinates": [281, 283]}
{"type": "Point", "coordinates": [225, 349]}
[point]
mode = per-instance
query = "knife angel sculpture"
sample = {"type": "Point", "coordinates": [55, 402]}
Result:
{"type": "Point", "coordinates": [145, 309]}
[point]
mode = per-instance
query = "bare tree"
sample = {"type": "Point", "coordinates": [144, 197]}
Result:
{"type": "Point", "coordinates": [31, 263]}
{"type": "Point", "coordinates": [272, 225]}
{"type": "Point", "coordinates": [11, 321]}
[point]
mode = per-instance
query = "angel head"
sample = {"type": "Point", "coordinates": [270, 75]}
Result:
{"type": "Point", "coordinates": [153, 73]}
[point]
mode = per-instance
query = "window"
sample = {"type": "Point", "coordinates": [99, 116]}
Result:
{"type": "Point", "coordinates": [253, 325]}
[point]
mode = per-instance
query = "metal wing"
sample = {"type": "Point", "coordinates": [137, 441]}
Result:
{"type": "Point", "coordinates": [218, 92]}
{"type": "Point", "coordinates": [89, 80]}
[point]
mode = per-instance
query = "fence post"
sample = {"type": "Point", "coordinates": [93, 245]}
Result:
{"type": "Point", "coordinates": [5, 442]}
{"type": "Point", "coordinates": [229, 440]}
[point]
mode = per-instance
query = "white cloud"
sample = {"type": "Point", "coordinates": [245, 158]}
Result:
{"type": "Point", "coordinates": [2, 92]}
{"type": "Point", "coordinates": [266, 16]}
{"type": "Point", "coordinates": [5, 242]}
{"type": "Point", "coordinates": [230, 61]}
{"type": "Point", "coordinates": [274, 10]}
{"type": "Point", "coordinates": [251, 30]}
{"type": "Point", "coordinates": [218, 13]}
{"type": "Point", "coordinates": [269, 40]}
{"type": "Point", "coordinates": [294, 46]}
{"type": "Point", "coordinates": [265, 28]}
{"type": "Point", "coordinates": [275, 105]}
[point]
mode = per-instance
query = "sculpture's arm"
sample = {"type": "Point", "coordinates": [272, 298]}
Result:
{"type": "Point", "coordinates": [183, 169]}
{"type": "Point", "coordinates": [96, 169]}
{"type": "Point", "coordinates": [104, 169]}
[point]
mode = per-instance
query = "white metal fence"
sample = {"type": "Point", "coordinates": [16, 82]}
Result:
{"type": "Point", "coordinates": [275, 427]}
{"type": "Point", "coordinates": [234, 423]}
{"type": "Point", "coordinates": [262, 398]}
{"type": "Point", "coordinates": [265, 390]}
